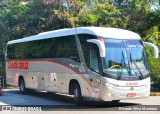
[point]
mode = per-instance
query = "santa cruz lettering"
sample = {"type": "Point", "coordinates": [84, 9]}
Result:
{"type": "Point", "coordinates": [23, 65]}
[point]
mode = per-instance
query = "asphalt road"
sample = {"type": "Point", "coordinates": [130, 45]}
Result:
{"type": "Point", "coordinates": [54, 102]}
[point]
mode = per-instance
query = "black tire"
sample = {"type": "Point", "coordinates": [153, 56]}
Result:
{"type": "Point", "coordinates": [77, 94]}
{"type": "Point", "coordinates": [22, 87]}
{"type": "Point", "coordinates": [115, 101]}
{"type": "Point", "coordinates": [50, 93]}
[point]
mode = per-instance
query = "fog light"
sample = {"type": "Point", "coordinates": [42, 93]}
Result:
{"type": "Point", "coordinates": [110, 94]}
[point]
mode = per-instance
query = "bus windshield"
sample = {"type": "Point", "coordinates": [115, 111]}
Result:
{"type": "Point", "coordinates": [125, 58]}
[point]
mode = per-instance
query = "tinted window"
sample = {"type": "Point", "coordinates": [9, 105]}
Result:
{"type": "Point", "coordinates": [61, 47]}
{"type": "Point", "coordinates": [90, 51]}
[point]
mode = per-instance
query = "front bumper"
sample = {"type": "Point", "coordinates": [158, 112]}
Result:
{"type": "Point", "coordinates": [124, 93]}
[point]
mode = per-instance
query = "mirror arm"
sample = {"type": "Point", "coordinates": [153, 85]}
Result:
{"type": "Point", "coordinates": [100, 45]}
{"type": "Point", "coordinates": [155, 48]}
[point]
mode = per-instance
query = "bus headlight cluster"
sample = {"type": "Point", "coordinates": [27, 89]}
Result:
{"type": "Point", "coordinates": [105, 83]}
{"type": "Point", "coordinates": [109, 85]}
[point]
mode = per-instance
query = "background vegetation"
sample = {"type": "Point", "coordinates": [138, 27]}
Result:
{"type": "Point", "coordinates": [22, 18]}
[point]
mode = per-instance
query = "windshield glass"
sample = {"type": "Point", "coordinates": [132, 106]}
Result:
{"type": "Point", "coordinates": [125, 58]}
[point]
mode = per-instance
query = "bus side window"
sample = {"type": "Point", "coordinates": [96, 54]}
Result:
{"type": "Point", "coordinates": [10, 51]}
{"type": "Point", "coordinates": [90, 52]}
{"type": "Point", "coordinates": [94, 60]}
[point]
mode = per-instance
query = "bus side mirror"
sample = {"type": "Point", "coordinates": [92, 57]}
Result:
{"type": "Point", "coordinates": [100, 45]}
{"type": "Point", "coordinates": [155, 48]}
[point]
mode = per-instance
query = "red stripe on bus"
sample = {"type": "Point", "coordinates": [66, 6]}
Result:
{"type": "Point", "coordinates": [61, 65]}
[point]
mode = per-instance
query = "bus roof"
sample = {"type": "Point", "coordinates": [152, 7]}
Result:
{"type": "Point", "coordinates": [105, 32]}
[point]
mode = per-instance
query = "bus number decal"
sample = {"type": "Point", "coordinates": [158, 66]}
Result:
{"type": "Point", "coordinates": [23, 65]}
{"type": "Point", "coordinates": [131, 83]}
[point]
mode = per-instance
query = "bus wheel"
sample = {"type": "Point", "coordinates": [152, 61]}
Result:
{"type": "Point", "coordinates": [77, 94]}
{"type": "Point", "coordinates": [22, 86]}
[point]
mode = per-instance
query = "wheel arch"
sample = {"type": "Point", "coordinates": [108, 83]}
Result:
{"type": "Point", "coordinates": [71, 86]}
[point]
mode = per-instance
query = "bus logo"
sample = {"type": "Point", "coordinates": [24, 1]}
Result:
{"type": "Point", "coordinates": [132, 88]}
{"type": "Point", "coordinates": [82, 68]}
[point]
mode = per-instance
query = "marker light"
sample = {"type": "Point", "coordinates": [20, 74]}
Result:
{"type": "Point", "coordinates": [101, 39]}
{"type": "Point", "coordinates": [98, 80]}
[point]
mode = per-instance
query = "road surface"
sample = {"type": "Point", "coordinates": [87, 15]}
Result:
{"type": "Point", "coordinates": [58, 102]}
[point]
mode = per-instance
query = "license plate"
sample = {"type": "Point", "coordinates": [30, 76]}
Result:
{"type": "Point", "coordinates": [131, 95]}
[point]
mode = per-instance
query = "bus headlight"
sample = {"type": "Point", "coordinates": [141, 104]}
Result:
{"type": "Point", "coordinates": [109, 85]}
{"type": "Point", "coordinates": [105, 83]}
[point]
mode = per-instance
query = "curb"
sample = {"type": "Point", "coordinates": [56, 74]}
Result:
{"type": "Point", "coordinates": [9, 87]}
{"type": "Point", "coordinates": [155, 94]}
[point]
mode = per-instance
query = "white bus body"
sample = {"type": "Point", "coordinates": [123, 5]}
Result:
{"type": "Point", "coordinates": [87, 62]}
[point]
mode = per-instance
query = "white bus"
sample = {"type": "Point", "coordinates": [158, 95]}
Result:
{"type": "Point", "coordinates": [107, 64]}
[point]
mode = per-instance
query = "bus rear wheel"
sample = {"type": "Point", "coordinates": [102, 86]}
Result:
{"type": "Point", "coordinates": [22, 86]}
{"type": "Point", "coordinates": [77, 94]}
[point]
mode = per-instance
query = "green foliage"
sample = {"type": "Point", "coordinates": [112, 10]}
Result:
{"type": "Point", "coordinates": [152, 35]}
{"type": "Point", "coordinates": [154, 64]}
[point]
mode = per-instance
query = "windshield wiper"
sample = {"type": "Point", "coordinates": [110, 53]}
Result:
{"type": "Point", "coordinates": [123, 63]}
{"type": "Point", "coordinates": [129, 71]}
{"type": "Point", "coordinates": [141, 76]}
